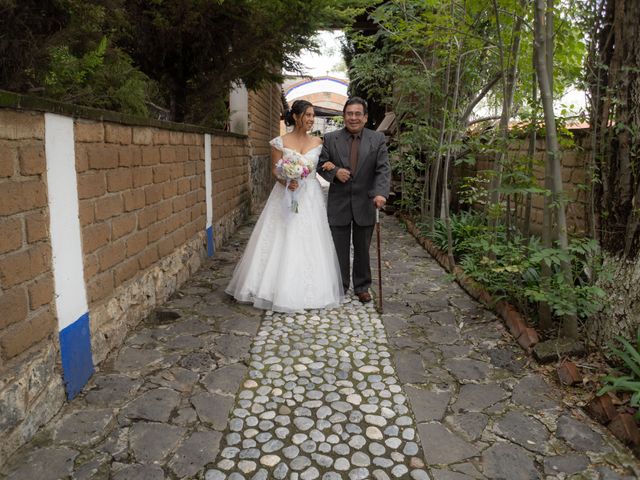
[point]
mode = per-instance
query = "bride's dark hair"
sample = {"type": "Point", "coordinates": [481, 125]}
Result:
{"type": "Point", "coordinates": [298, 107]}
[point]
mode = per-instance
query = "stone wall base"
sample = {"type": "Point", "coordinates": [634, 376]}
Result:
{"type": "Point", "coordinates": [31, 393]}
{"type": "Point", "coordinates": [260, 181]}
{"type": "Point", "coordinates": [224, 228]}
{"type": "Point", "coordinates": [135, 300]}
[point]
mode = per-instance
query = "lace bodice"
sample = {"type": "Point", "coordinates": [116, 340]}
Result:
{"type": "Point", "coordinates": [311, 156]}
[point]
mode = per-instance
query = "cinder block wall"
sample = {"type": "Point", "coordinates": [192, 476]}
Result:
{"type": "Point", "coordinates": [141, 198]}
{"type": "Point", "coordinates": [142, 206]}
{"type": "Point", "coordinates": [141, 194]}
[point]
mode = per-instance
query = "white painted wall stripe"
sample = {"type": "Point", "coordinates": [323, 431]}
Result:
{"type": "Point", "coordinates": [207, 178]}
{"type": "Point", "coordinates": [208, 192]}
{"type": "Point", "coordinates": [66, 249]}
{"type": "Point", "coordinates": [66, 245]}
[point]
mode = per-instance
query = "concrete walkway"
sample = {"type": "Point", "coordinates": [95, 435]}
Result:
{"type": "Point", "coordinates": [434, 388]}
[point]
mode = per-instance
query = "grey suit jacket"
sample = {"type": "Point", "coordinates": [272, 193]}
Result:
{"type": "Point", "coordinates": [353, 200]}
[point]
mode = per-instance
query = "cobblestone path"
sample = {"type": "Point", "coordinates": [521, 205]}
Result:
{"type": "Point", "coordinates": [432, 389]}
{"type": "Point", "coordinates": [322, 399]}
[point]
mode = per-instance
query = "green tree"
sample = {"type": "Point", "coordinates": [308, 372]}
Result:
{"type": "Point", "coordinates": [66, 50]}
{"type": "Point", "coordinates": [614, 82]}
{"type": "Point", "coordinates": [26, 29]}
{"type": "Point", "coordinates": [182, 54]}
{"type": "Point", "coordinates": [439, 61]}
{"type": "Point", "coordinates": [198, 48]}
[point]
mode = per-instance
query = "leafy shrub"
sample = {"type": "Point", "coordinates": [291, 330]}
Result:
{"type": "Point", "coordinates": [510, 266]}
{"type": "Point", "coordinates": [102, 77]}
{"type": "Point", "coordinates": [407, 167]}
{"type": "Point", "coordinates": [465, 226]}
{"type": "Point", "coordinates": [628, 380]}
{"type": "Point", "coordinates": [581, 298]}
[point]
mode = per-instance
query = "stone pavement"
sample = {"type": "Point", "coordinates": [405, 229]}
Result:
{"type": "Point", "coordinates": [432, 389]}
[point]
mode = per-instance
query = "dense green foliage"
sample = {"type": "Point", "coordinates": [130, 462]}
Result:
{"type": "Point", "coordinates": [67, 50]}
{"type": "Point", "coordinates": [100, 78]}
{"type": "Point", "coordinates": [436, 65]}
{"type": "Point", "coordinates": [178, 58]}
{"type": "Point", "coordinates": [613, 79]}
{"type": "Point", "coordinates": [627, 378]}
{"type": "Point", "coordinates": [423, 55]}
{"type": "Point", "coordinates": [510, 267]}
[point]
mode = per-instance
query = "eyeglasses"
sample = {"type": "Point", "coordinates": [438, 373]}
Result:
{"type": "Point", "coordinates": [354, 114]}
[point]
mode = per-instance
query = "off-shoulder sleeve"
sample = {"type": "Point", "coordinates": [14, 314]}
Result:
{"type": "Point", "coordinates": [277, 143]}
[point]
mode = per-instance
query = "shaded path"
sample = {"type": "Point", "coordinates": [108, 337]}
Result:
{"type": "Point", "coordinates": [482, 412]}
{"type": "Point", "coordinates": [324, 394]}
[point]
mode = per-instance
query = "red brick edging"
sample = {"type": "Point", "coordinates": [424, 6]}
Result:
{"type": "Point", "coordinates": [601, 409]}
{"type": "Point", "coordinates": [526, 336]}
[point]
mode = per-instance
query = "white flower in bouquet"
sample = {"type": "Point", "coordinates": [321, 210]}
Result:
{"type": "Point", "coordinates": [293, 166]}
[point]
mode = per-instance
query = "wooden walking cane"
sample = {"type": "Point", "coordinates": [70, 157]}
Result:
{"type": "Point", "coordinates": [379, 260]}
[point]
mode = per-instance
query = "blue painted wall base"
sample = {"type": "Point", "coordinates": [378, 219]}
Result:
{"type": "Point", "coordinates": [75, 350]}
{"type": "Point", "coordinates": [211, 247]}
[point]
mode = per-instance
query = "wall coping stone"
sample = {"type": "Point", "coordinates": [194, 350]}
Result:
{"type": "Point", "coordinates": [41, 104]}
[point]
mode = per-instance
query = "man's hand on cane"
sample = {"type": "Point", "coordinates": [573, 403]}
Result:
{"type": "Point", "coordinates": [379, 201]}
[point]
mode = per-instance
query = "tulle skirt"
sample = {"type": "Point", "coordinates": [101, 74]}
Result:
{"type": "Point", "coordinates": [290, 262]}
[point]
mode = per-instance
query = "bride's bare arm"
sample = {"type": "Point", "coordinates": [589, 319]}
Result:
{"type": "Point", "coordinates": [275, 156]}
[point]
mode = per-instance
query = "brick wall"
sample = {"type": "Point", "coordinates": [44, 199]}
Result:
{"type": "Point", "coordinates": [231, 197]}
{"type": "Point", "coordinates": [142, 208]}
{"type": "Point", "coordinates": [30, 384]}
{"type": "Point", "coordinates": [26, 311]}
{"type": "Point", "coordinates": [574, 177]}
{"type": "Point", "coordinates": [141, 194]}
{"type": "Point", "coordinates": [265, 110]}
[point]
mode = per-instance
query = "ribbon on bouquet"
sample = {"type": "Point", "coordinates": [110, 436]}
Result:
{"type": "Point", "coordinates": [290, 199]}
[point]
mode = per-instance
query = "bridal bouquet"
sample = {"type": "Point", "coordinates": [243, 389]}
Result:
{"type": "Point", "coordinates": [293, 166]}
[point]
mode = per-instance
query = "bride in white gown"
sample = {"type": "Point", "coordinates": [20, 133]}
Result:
{"type": "Point", "coordinates": [290, 262]}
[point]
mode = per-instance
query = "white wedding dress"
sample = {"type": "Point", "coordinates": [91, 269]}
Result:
{"type": "Point", "coordinates": [290, 262]}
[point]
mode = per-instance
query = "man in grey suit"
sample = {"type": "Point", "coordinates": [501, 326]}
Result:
{"type": "Point", "coordinates": [359, 184]}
